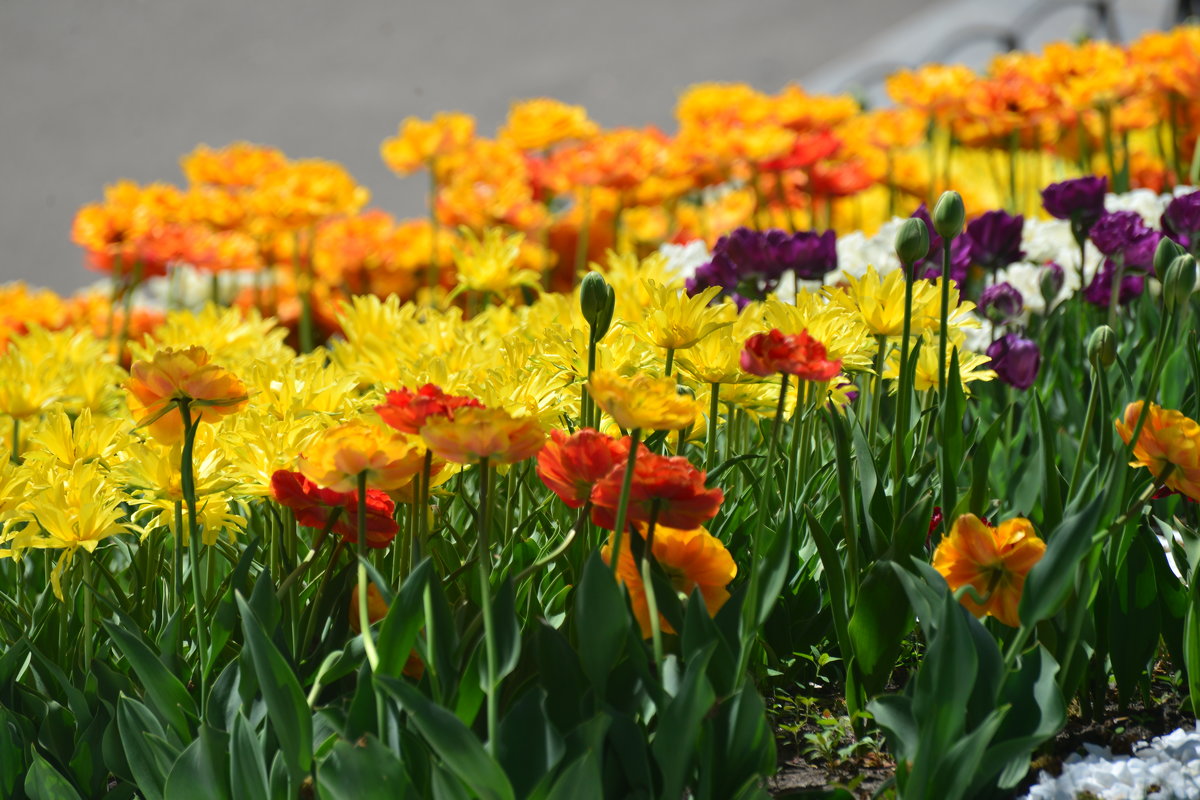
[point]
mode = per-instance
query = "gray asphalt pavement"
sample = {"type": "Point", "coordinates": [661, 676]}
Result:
{"type": "Point", "coordinates": [96, 90]}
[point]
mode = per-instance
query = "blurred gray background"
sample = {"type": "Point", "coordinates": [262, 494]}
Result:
{"type": "Point", "coordinates": [96, 90]}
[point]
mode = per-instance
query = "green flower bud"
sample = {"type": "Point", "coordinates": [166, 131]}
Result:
{"type": "Point", "coordinates": [948, 215]}
{"type": "Point", "coordinates": [1166, 252]}
{"type": "Point", "coordinates": [1179, 281]}
{"type": "Point", "coordinates": [593, 295]}
{"type": "Point", "coordinates": [605, 315]}
{"type": "Point", "coordinates": [912, 241]}
{"type": "Point", "coordinates": [1102, 347]}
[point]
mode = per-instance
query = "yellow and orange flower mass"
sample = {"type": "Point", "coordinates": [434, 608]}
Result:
{"type": "Point", "coordinates": [418, 143]}
{"type": "Point", "coordinates": [692, 559]}
{"type": "Point", "coordinates": [339, 455]}
{"type": "Point", "coordinates": [478, 433]}
{"type": "Point", "coordinates": [1167, 439]}
{"type": "Point", "coordinates": [543, 122]}
{"type": "Point", "coordinates": [172, 375]}
{"type": "Point", "coordinates": [994, 561]}
{"type": "Point", "coordinates": [643, 401]}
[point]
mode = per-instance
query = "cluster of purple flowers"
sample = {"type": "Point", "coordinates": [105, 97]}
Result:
{"type": "Point", "coordinates": [1181, 221]}
{"type": "Point", "coordinates": [749, 264]}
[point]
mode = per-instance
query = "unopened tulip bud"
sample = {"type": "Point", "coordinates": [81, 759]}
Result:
{"type": "Point", "coordinates": [593, 295]}
{"type": "Point", "coordinates": [949, 215]}
{"type": "Point", "coordinates": [605, 315]}
{"type": "Point", "coordinates": [1102, 347]}
{"type": "Point", "coordinates": [912, 241]}
{"type": "Point", "coordinates": [1179, 282]}
{"type": "Point", "coordinates": [1166, 252]}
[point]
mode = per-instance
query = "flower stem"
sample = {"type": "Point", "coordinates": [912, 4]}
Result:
{"type": "Point", "coordinates": [187, 481]}
{"type": "Point", "coordinates": [635, 437]}
{"type": "Point", "coordinates": [943, 327]}
{"type": "Point", "coordinates": [903, 395]}
{"type": "Point", "coordinates": [484, 557]}
{"type": "Point", "coordinates": [14, 452]}
{"type": "Point", "coordinates": [360, 549]}
{"type": "Point", "coordinates": [585, 229]}
{"type": "Point", "coordinates": [304, 285]}
{"type": "Point", "coordinates": [1085, 434]}
{"type": "Point", "coordinates": [433, 275]}
{"type": "Point", "coordinates": [714, 410]}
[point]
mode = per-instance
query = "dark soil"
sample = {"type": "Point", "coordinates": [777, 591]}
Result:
{"type": "Point", "coordinates": [802, 771]}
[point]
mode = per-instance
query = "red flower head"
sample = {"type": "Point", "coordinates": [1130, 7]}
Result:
{"type": "Point", "coordinates": [408, 411]}
{"type": "Point", "coordinates": [795, 354]}
{"type": "Point", "coordinates": [313, 507]}
{"type": "Point", "coordinates": [670, 483]}
{"type": "Point", "coordinates": [571, 465]}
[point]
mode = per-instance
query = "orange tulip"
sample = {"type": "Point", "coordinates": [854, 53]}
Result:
{"type": "Point", "coordinates": [158, 385]}
{"type": "Point", "coordinates": [994, 561]}
{"type": "Point", "coordinates": [478, 433]}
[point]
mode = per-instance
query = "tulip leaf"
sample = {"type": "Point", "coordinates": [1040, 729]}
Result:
{"type": "Point", "coordinates": [601, 622]}
{"type": "Point", "coordinates": [674, 745]}
{"type": "Point", "coordinates": [1133, 616]}
{"type": "Point", "coordinates": [399, 629]}
{"type": "Point", "coordinates": [878, 625]}
{"type": "Point", "coordinates": [247, 766]}
{"type": "Point", "coordinates": [363, 770]}
{"type": "Point", "coordinates": [1052, 509]}
{"type": "Point", "coordinates": [452, 741]}
{"type": "Point", "coordinates": [1051, 579]}
{"type": "Point", "coordinates": [44, 782]}
{"type": "Point", "coordinates": [286, 704]}
{"type": "Point", "coordinates": [164, 691]}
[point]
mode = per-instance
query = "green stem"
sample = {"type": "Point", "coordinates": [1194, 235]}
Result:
{"type": "Point", "coordinates": [1089, 418]}
{"type": "Point", "coordinates": [304, 284]}
{"type": "Point", "coordinates": [670, 362]}
{"type": "Point", "coordinates": [14, 452]}
{"type": "Point", "coordinates": [433, 275]}
{"type": "Point", "coordinates": [714, 410]}
{"type": "Point", "coordinates": [484, 557]}
{"type": "Point", "coordinates": [943, 327]}
{"type": "Point", "coordinates": [187, 481]}
{"type": "Point", "coordinates": [128, 309]}
{"type": "Point", "coordinates": [877, 387]}
{"type": "Point", "coordinates": [585, 229]}
{"type": "Point", "coordinates": [87, 611]}
{"type": "Point", "coordinates": [360, 549]}
{"type": "Point", "coordinates": [903, 397]}
{"type": "Point", "coordinates": [635, 437]}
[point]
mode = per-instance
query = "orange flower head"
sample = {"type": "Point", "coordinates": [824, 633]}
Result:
{"type": "Point", "coordinates": [667, 489]}
{"type": "Point", "coordinates": [418, 142]}
{"type": "Point", "coordinates": [691, 559]}
{"type": "Point", "coordinates": [157, 385]}
{"type": "Point", "coordinates": [238, 165]}
{"type": "Point", "coordinates": [994, 561]}
{"type": "Point", "coordinates": [1168, 438]}
{"type": "Point", "coordinates": [794, 354]}
{"type": "Point", "coordinates": [476, 433]}
{"type": "Point", "coordinates": [408, 411]}
{"type": "Point", "coordinates": [339, 455]}
{"type": "Point", "coordinates": [643, 401]}
{"type": "Point", "coordinates": [571, 465]}
{"type": "Point", "coordinates": [543, 122]}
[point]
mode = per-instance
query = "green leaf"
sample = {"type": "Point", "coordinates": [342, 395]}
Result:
{"type": "Point", "coordinates": [580, 780]}
{"type": "Point", "coordinates": [363, 770]}
{"type": "Point", "coordinates": [528, 746]}
{"type": "Point", "coordinates": [145, 746]}
{"type": "Point", "coordinates": [981, 461]}
{"type": "Point", "coordinates": [286, 706]}
{"type": "Point", "coordinates": [880, 621]}
{"type": "Point", "coordinates": [164, 691]}
{"type": "Point", "coordinates": [601, 620]}
{"type": "Point", "coordinates": [399, 628]}
{"type": "Point", "coordinates": [674, 745]}
{"type": "Point", "coordinates": [1134, 622]}
{"type": "Point", "coordinates": [247, 764]}
{"type": "Point", "coordinates": [199, 772]}
{"type": "Point", "coordinates": [44, 782]}
{"type": "Point", "coordinates": [1052, 508]}
{"type": "Point", "coordinates": [452, 741]}
{"type": "Point", "coordinates": [1051, 579]}
{"type": "Point", "coordinates": [508, 630]}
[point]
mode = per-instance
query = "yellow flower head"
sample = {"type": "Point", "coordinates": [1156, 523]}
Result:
{"type": "Point", "coordinates": [692, 560]}
{"type": "Point", "coordinates": [676, 321]}
{"type": "Point", "coordinates": [1167, 439]}
{"type": "Point", "coordinates": [171, 376]}
{"type": "Point", "coordinates": [478, 433]}
{"type": "Point", "coordinates": [879, 303]}
{"type": "Point", "coordinates": [994, 561]}
{"type": "Point", "coordinates": [491, 264]}
{"type": "Point", "coordinates": [238, 165]}
{"type": "Point", "coordinates": [542, 122]}
{"type": "Point", "coordinates": [643, 401]}
{"type": "Point", "coordinates": [971, 366]}
{"type": "Point", "coordinates": [339, 455]}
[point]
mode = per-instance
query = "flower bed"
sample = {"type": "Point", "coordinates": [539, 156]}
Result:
{"type": "Point", "coordinates": [542, 495]}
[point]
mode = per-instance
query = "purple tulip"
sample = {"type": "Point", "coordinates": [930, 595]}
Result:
{"type": "Point", "coordinates": [749, 264]}
{"type": "Point", "coordinates": [1080, 200]}
{"type": "Point", "coordinates": [1015, 359]}
{"type": "Point", "coordinates": [1181, 219]}
{"type": "Point", "coordinates": [995, 239]}
{"type": "Point", "coordinates": [1001, 302]}
{"type": "Point", "coordinates": [1099, 291]}
{"type": "Point", "coordinates": [931, 267]}
{"type": "Point", "coordinates": [1122, 234]}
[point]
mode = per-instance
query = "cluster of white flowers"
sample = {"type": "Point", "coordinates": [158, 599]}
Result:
{"type": "Point", "coordinates": [1166, 768]}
